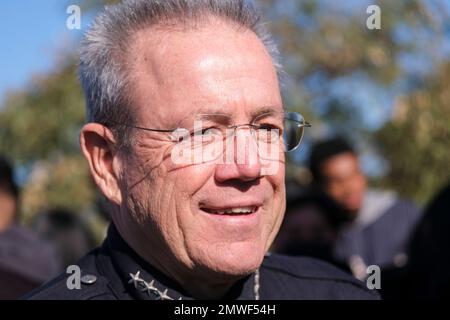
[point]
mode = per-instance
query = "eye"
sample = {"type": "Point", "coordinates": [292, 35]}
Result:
{"type": "Point", "coordinates": [180, 135]}
{"type": "Point", "coordinates": [270, 127]}
{"type": "Point", "coordinates": [208, 131]}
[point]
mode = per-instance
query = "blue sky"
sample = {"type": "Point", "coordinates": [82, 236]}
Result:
{"type": "Point", "coordinates": [32, 33]}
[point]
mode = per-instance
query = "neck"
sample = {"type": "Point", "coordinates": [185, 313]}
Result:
{"type": "Point", "coordinates": [207, 291]}
{"type": "Point", "coordinates": [199, 284]}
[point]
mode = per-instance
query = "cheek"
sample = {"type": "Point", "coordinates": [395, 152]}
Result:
{"type": "Point", "coordinates": [177, 197]}
{"type": "Point", "coordinates": [361, 184]}
{"type": "Point", "coordinates": [336, 190]}
{"type": "Point", "coordinates": [194, 178]}
{"type": "Point", "coordinates": [7, 209]}
{"type": "Point", "coordinates": [277, 182]}
{"type": "Point", "coordinates": [168, 212]}
{"type": "Point", "coordinates": [274, 172]}
{"type": "Point", "coordinates": [274, 216]}
{"type": "Point", "coordinates": [278, 211]}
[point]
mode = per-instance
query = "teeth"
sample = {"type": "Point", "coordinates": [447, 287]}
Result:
{"type": "Point", "coordinates": [244, 210]}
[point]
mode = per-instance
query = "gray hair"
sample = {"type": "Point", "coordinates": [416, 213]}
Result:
{"type": "Point", "coordinates": [103, 50]}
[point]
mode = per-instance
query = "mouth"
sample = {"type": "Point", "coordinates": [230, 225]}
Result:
{"type": "Point", "coordinates": [231, 211]}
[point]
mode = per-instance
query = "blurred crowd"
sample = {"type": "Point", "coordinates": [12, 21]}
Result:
{"type": "Point", "coordinates": [340, 219]}
{"type": "Point", "coordinates": [337, 218]}
{"type": "Point", "coordinates": [30, 256]}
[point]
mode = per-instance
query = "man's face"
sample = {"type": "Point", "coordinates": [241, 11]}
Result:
{"type": "Point", "coordinates": [344, 181]}
{"type": "Point", "coordinates": [176, 76]}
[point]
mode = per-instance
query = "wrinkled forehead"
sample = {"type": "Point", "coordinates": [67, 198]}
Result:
{"type": "Point", "coordinates": [215, 69]}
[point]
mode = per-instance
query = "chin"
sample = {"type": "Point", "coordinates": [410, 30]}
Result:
{"type": "Point", "coordinates": [352, 208]}
{"type": "Point", "coordinates": [235, 260]}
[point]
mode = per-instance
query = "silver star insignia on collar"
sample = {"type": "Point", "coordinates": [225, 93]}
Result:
{"type": "Point", "coordinates": [135, 279]}
{"type": "Point", "coordinates": [139, 283]}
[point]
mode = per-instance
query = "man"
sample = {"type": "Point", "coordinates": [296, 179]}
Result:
{"type": "Point", "coordinates": [381, 223]}
{"type": "Point", "coordinates": [25, 261]}
{"type": "Point", "coordinates": [169, 86]}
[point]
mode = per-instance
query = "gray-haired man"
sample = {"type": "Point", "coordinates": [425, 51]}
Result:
{"type": "Point", "coordinates": [195, 82]}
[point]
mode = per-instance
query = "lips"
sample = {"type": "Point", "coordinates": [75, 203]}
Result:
{"type": "Point", "coordinates": [235, 210]}
{"type": "Point", "coordinates": [239, 219]}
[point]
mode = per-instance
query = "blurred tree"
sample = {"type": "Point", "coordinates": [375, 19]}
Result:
{"type": "Point", "coordinates": [417, 140]}
{"type": "Point", "coordinates": [328, 46]}
{"type": "Point", "coordinates": [345, 78]}
{"type": "Point", "coordinates": [39, 128]}
{"type": "Point", "coordinates": [43, 119]}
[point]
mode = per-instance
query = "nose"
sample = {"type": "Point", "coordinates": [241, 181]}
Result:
{"type": "Point", "coordinates": [241, 159]}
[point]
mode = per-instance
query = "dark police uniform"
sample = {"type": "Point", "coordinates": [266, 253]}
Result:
{"type": "Point", "coordinates": [115, 272]}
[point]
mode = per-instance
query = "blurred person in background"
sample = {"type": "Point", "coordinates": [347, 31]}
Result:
{"type": "Point", "coordinates": [429, 262]}
{"type": "Point", "coordinates": [426, 276]}
{"type": "Point", "coordinates": [310, 227]}
{"type": "Point", "coordinates": [67, 232]}
{"type": "Point", "coordinates": [25, 261]}
{"type": "Point", "coordinates": [380, 224]}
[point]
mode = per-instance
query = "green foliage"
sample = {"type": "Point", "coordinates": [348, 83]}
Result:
{"type": "Point", "coordinates": [39, 128]}
{"type": "Point", "coordinates": [43, 120]}
{"type": "Point", "coordinates": [329, 41]}
{"type": "Point", "coordinates": [416, 142]}
{"type": "Point", "coordinates": [316, 37]}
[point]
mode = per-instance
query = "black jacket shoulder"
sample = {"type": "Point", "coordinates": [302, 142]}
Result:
{"type": "Point", "coordinates": [281, 277]}
{"type": "Point", "coordinates": [295, 278]}
{"type": "Point", "coordinates": [58, 289]}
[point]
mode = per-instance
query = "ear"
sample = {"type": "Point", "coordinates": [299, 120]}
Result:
{"type": "Point", "coordinates": [98, 146]}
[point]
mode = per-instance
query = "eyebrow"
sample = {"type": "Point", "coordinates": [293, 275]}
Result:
{"type": "Point", "coordinates": [264, 110]}
{"type": "Point", "coordinates": [218, 115]}
{"type": "Point", "coordinates": [210, 114]}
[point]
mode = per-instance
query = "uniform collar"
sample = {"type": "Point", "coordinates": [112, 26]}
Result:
{"type": "Point", "coordinates": [145, 282]}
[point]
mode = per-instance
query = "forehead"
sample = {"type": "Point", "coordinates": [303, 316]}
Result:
{"type": "Point", "coordinates": [215, 68]}
{"type": "Point", "coordinates": [341, 165]}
